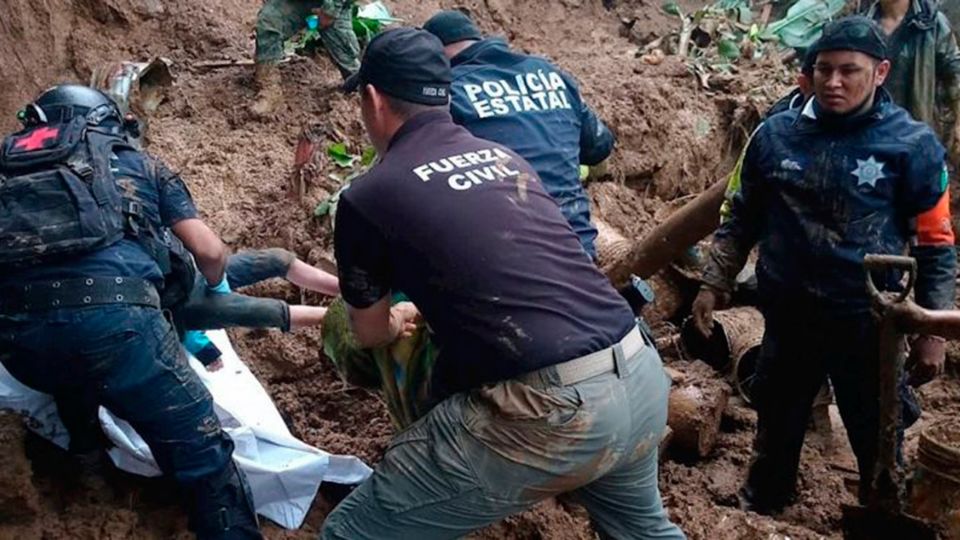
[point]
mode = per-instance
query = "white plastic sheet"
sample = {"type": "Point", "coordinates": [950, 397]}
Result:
{"type": "Point", "coordinates": [284, 473]}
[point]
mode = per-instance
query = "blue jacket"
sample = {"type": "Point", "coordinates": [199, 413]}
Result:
{"type": "Point", "coordinates": [530, 106]}
{"type": "Point", "coordinates": [818, 194]}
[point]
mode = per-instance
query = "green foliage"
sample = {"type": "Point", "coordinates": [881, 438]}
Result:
{"type": "Point", "coordinates": [728, 49]}
{"type": "Point", "coordinates": [339, 154]}
{"type": "Point", "coordinates": [672, 8]}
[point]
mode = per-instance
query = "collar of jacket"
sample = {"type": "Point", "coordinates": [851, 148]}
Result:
{"type": "Point", "coordinates": [485, 51]}
{"type": "Point", "coordinates": [922, 14]}
{"type": "Point", "coordinates": [809, 121]}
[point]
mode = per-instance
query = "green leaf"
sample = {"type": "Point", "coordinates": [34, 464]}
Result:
{"type": "Point", "coordinates": [323, 208]}
{"type": "Point", "coordinates": [338, 153]}
{"type": "Point", "coordinates": [673, 9]}
{"type": "Point", "coordinates": [744, 15]}
{"type": "Point", "coordinates": [368, 156]}
{"type": "Point", "coordinates": [728, 49]}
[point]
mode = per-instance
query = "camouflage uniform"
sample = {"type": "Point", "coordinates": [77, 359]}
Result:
{"type": "Point", "coordinates": [279, 20]}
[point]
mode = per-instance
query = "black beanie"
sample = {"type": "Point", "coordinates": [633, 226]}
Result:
{"type": "Point", "coordinates": [855, 33]}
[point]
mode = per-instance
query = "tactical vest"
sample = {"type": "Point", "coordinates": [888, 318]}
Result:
{"type": "Point", "coordinates": [59, 199]}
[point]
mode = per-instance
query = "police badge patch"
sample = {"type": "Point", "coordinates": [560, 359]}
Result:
{"type": "Point", "coordinates": [868, 172]}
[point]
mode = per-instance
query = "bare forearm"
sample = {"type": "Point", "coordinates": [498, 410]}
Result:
{"type": "Point", "coordinates": [940, 323]}
{"type": "Point", "coordinates": [313, 278]}
{"type": "Point", "coordinates": [208, 250]}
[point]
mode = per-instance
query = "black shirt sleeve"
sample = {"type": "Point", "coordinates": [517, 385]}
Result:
{"type": "Point", "coordinates": [361, 252]}
{"type": "Point", "coordinates": [176, 203]}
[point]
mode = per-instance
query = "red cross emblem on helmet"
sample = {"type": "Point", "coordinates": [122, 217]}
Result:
{"type": "Point", "coordinates": [37, 139]}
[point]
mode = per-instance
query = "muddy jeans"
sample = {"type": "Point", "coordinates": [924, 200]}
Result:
{"type": "Point", "coordinates": [128, 359]}
{"type": "Point", "coordinates": [279, 20]}
{"type": "Point", "coordinates": [480, 456]}
{"type": "Point", "coordinates": [206, 311]}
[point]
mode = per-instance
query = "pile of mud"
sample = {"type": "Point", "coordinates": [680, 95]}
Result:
{"type": "Point", "coordinates": [674, 139]}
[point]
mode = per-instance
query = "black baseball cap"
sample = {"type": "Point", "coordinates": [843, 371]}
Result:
{"type": "Point", "coordinates": [406, 63]}
{"type": "Point", "coordinates": [854, 33]}
{"type": "Point", "coordinates": [452, 26]}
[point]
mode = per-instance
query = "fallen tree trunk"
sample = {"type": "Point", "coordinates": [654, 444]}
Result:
{"type": "Point", "coordinates": [666, 242]}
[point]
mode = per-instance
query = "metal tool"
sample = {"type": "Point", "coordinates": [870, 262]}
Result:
{"type": "Point", "coordinates": [883, 516]}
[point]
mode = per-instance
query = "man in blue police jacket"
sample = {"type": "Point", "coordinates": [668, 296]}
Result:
{"type": "Point", "coordinates": [528, 105]}
{"type": "Point", "coordinates": [850, 173]}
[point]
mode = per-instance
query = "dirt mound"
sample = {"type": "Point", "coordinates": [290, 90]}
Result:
{"type": "Point", "coordinates": [19, 501]}
{"type": "Point", "coordinates": [674, 138]}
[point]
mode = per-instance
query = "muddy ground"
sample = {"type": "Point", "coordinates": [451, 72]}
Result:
{"type": "Point", "coordinates": [674, 138]}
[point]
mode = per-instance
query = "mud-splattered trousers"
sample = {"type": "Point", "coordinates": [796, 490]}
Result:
{"type": "Point", "coordinates": [801, 348]}
{"type": "Point", "coordinates": [206, 311]}
{"type": "Point", "coordinates": [817, 194]}
{"type": "Point", "coordinates": [128, 359]}
{"type": "Point", "coordinates": [279, 20]}
{"type": "Point", "coordinates": [480, 456]}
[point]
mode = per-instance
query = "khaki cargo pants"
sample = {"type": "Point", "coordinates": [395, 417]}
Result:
{"type": "Point", "coordinates": [279, 20]}
{"type": "Point", "coordinates": [480, 456]}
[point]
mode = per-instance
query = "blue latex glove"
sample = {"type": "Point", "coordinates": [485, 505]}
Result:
{"type": "Point", "coordinates": [220, 288]}
{"type": "Point", "coordinates": [199, 345]}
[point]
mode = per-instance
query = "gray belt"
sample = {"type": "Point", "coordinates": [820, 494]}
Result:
{"type": "Point", "coordinates": [587, 366]}
{"type": "Point", "coordinates": [80, 292]}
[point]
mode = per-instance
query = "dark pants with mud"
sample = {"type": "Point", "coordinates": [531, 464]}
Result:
{"type": "Point", "coordinates": [207, 311]}
{"type": "Point", "coordinates": [801, 348]}
{"type": "Point", "coordinates": [279, 20]}
{"type": "Point", "coordinates": [128, 359]}
{"type": "Point", "coordinates": [480, 456]}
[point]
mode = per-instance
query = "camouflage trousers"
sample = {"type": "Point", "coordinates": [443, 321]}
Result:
{"type": "Point", "coordinates": [479, 456]}
{"type": "Point", "coordinates": [279, 20]}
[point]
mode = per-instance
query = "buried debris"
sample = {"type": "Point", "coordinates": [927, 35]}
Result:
{"type": "Point", "coordinates": [695, 408]}
{"type": "Point", "coordinates": [734, 345]}
{"type": "Point", "coordinates": [936, 479]}
{"type": "Point", "coordinates": [138, 87]}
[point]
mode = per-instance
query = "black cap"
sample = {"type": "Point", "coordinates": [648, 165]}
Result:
{"type": "Point", "coordinates": [452, 26]}
{"type": "Point", "coordinates": [406, 63]}
{"type": "Point", "coordinates": [854, 33]}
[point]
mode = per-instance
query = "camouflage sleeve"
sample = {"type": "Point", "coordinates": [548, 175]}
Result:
{"type": "Point", "coordinates": [948, 59]}
{"type": "Point", "coordinates": [336, 8]}
{"type": "Point", "coordinates": [739, 232]}
{"type": "Point", "coordinates": [176, 203]}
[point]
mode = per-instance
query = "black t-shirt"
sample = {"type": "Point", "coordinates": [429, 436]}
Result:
{"type": "Point", "coordinates": [464, 228]}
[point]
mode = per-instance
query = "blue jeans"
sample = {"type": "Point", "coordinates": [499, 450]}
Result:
{"type": "Point", "coordinates": [206, 311]}
{"type": "Point", "coordinates": [128, 359]}
{"type": "Point", "coordinates": [480, 456]}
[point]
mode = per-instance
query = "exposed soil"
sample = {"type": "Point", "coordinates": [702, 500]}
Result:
{"type": "Point", "coordinates": [674, 139]}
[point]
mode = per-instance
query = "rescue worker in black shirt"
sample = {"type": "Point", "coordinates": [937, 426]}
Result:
{"type": "Point", "coordinates": [81, 262]}
{"type": "Point", "coordinates": [547, 385]}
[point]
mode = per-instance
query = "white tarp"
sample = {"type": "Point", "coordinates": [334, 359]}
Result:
{"type": "Point", "coordinates": [284, 473]}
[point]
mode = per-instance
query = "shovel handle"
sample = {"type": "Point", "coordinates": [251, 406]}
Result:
{"type": "Point", "coordinates": [890, 262]}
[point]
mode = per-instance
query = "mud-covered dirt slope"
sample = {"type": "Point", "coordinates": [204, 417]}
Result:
{"type": "Point", "coordinates": [674, 139]}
